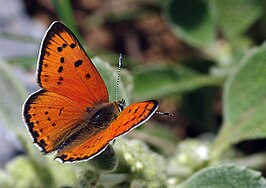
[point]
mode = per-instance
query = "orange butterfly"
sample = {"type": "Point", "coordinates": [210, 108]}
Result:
{"type": "Point", "coordinates": [72, 114]}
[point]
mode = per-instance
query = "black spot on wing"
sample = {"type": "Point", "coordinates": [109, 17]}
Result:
{"type": "Point", "coordinates": [59, 49]}
{"type": "Point", "coordinates": [87, 76]}
{"type": "Point", "coordinates": [73, 45]}
{"type": "Point", "coordinates": [62, 60]}
{"type": "Point", "coordinates": [60, 69]}
{"type": "Point", "coordinates": [78, 63]}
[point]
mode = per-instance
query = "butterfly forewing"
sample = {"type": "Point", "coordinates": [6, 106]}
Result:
{"type": "Point", "coordinates": [131, 117]}
{"type": "Point", "coordinates": [64, 68]}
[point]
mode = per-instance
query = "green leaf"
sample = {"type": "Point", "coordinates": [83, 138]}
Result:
{"type": "Point", "coordinates": [192, 20]}
{"type": "Point", "coordinates": [237, 16]}
{"type": "Point", "coordinates": [225, 176]}
{"type": "Point", "coordinates": [160, 80]}
{"type": "Point", "coordinates": [244, 102]}
{"type": "Point", "coordinates": [12, 96]}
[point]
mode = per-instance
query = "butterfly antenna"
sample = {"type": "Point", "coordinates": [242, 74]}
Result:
{"type": "Point", "coordinates": [164, 113]}
{"type": "Point", "coordinates": [118, 76]}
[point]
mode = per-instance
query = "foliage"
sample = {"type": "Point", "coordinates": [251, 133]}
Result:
{"type": "Point", "coordinates": [226, 175]}
{"type": "Point", "coordinates": [219, 31]}
{"type": "Point", "coordinates": [243, 111]}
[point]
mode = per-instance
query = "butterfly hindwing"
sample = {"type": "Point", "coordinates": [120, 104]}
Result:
{"type": "Point", "coordinates": [64, 68]}
{"type": "Point", "coordinates": [131, 117]}
{"type": "Point", "coordinates": [50, 118]}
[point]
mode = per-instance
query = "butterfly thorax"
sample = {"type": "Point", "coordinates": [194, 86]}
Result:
{"type": "Point", "coordinates": [101, 115]}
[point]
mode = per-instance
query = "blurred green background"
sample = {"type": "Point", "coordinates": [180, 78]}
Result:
{"type": "Point", "coordinates": [203, 60]}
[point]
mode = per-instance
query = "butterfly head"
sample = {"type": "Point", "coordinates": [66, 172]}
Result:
{"type": "Point", "coordinates": [121, 105]}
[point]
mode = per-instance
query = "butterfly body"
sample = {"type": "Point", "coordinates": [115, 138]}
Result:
{"type": "Point", "coordinates": [71, 113]}
{"type": "Point", "coordinates": [95, 119]}
{"type": "Point", "coordinates": [103, 114]}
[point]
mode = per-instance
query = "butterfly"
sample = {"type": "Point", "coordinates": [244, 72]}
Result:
{"type": "Point", "coordinates": [71, 113]}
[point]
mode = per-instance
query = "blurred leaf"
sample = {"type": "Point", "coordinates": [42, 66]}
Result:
{"type": "Point", "coordinates": [112, 180]}
{"type": "Point", "coordinates": [192, 20]}
{"type": "Point", "coordinates": [19, 38]}
{"type": "Point", "coordinates": [109, 75]}
{"type": "Point", "coordinates": [67, 175]}
{"type": "Point", "coordinates": [237, 16]}
{"type": "Point", "coordinates": [24, 174]}
{"type": "Point", "coordinates": [113, 16]}
{"type": "Point", "coordinates": [160, 80]}
{"type": "Point", "coordinates": [227, 54]}
{"type": "Point", "coordinates": [65, 13]}
{"type": "Point", "coordinates": [44, 173]}
{"type": "Point", "coordinates": [225, 176]}
{"type": "Point", "coordinates": [25, 61]}
{"type": "Point", "coordinates": [6, 180]}
{"type": "Point", "coordinates": [244, 102]}
{"type": "Point", "coordinates": [150, 137]}
{"type": "Point", "coordinates": [12, 96]}
{"type": "Point", "coordinates": [88, 179]}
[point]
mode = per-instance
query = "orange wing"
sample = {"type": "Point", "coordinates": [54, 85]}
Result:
{"type": "Point", "coordinates": [50, 118]}
{"type": "Point", "coordinates": [70, 83]}
{"type": "Point", "coordinates": [130, 118]}
{"type": "Point", "coordinates": [65, 68]}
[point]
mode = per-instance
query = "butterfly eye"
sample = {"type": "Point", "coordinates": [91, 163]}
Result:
{"type": "Point", "coordinates": [121, 105]}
